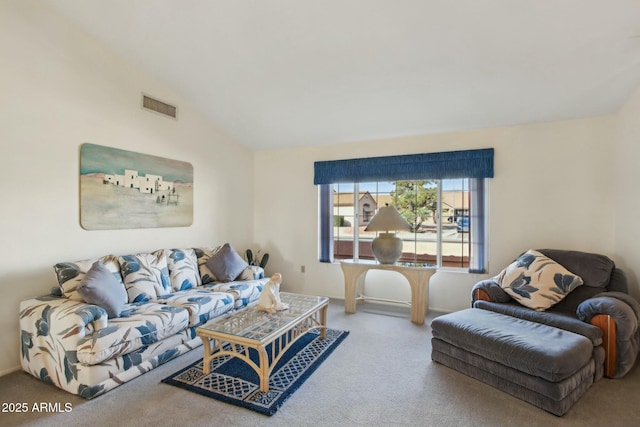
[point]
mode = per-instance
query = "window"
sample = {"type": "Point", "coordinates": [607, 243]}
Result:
{"type": "Point", "coordinates": [441, 195]}
{"type": "Point", "coordinates": [438, 237]}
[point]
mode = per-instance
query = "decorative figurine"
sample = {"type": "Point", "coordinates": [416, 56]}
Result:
{"type": "Point", "coordinates": [270, 297]}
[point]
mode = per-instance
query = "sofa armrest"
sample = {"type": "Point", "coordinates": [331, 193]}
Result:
{"type": "Point", "coordinates": [50, 329]}
{"type": "Point", "coordinates": [617, 315]}
{"type": "Point", "coordinates": [61, 320]}
{"type": "Point", "coordinates": [621, 307]}
{"type": "Point", "coordinates": [488, 290]}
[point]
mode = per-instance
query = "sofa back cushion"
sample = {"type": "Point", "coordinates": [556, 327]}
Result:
{"type": "Point", "coordinates": [183, 269]}
{"type": "Point", "coordinates": [70, 274]}
{"type": "Point", "coordinates": [595, 269]}
{"type": "Point", "coordinates": [203, 255]}
{"type": "Point", "coordinates": [146, 275]}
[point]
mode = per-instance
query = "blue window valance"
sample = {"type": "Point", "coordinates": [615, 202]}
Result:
{"type": "Point", "coordinates": [443, 165]}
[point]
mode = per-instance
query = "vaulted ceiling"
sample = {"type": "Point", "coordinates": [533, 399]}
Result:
{"type": "Point", "coordinates": [287, 73]}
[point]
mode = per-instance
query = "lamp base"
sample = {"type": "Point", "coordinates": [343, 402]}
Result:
{"type": "Point", "coordinates": [387, 248]}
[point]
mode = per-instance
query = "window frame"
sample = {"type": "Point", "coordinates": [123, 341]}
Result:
{"type": "Point", "coordinates": [475, 165]}
{"type": "Point", "coordinates": [353, 216]}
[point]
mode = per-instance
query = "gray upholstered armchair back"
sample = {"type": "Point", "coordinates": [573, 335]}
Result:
{"type": "Point", "coordinates": [598, 272]}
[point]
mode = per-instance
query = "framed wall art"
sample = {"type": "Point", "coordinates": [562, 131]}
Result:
{"type": "Point", "coordinates": [122, 189]}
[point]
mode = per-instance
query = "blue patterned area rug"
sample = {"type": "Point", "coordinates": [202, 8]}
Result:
{"type": "Point", "coordinates": [231, 380]}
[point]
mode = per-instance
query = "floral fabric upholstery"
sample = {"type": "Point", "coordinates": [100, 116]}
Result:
{"type": "Point", "coordinates": [244, 291]}
{"type": "Point", "coordinates": [114, 372]}
{"type": "Point", "coordinates": [139, 325]}
{"type": "Point", "coordinates": [183, 269]}
{"type": "Point", "coordinates": [75, 346]}
{"type": "Point", "coordinates": [253, 272]}
{"type": "Point", "coordinates": [146, 276]}
{"type": "Point", "coordinates": [52, 328]}
{"type": "Point", "coordinates": [70, 274]}
{"type": "Point", "coordinates": [203, 255]}
{"type": "Point", "coordinates": [201, 305]}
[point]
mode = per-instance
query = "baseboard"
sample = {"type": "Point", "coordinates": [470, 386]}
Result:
{"type": "Point", "coordinates": [434, 310]}
{"type": "Point", "coordinates": [439, 310]}
{"type": "Point", "coordinates": [10, 370]}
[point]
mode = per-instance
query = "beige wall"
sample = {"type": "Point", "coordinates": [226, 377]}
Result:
{"type": "Point", "coordinates": [59, 89]}
{"type": "Point", "coordinates": [627, 192]}
{"type": "Point", "coordinates": [552, 188]}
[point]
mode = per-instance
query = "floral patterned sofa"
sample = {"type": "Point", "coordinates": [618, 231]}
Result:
{"type": "Point", "coordinates": [114, 318]}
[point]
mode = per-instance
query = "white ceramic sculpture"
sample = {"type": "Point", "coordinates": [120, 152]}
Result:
{"type": "Point", "coordinates": [270, 297]}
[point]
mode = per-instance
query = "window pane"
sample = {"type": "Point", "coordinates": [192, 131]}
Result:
{"type": "Point", "coordinates": [456, 223]}
{"type": "Point", "coordinates": [374, 195]}
{"type": "Point", "coordinates": [343, 221]}
{"type": "Point", "coordinates": [417, 202]}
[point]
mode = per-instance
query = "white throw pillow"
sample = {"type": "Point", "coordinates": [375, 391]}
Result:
{"type": "Point", "coordinates": [537, 281]}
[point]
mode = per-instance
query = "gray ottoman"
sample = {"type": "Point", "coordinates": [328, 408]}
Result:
{"type": "Point", "coordinates": [548, 367]}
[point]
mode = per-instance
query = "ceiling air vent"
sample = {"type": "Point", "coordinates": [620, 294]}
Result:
{"type": "Point", "coordinates": [149, 103]}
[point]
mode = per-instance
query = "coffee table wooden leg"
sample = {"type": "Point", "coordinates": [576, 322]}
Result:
{"type": "Point", "coordinates": [206, 359]}
{"type": "Point", "coordinates": [323, 321]}
{"type": "Point", "coordinates": [263, 365]}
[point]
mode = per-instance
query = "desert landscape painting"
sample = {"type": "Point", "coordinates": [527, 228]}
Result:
{"type": "Point", "coordinates": [123, 189]}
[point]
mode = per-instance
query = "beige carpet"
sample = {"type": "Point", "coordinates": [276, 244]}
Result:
{"type": "Point", "coordinates": [381, 375]}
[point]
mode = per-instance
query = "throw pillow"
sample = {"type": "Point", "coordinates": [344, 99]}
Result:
{"type": "Point", "coordinates": [100, 287]}
{"type": "Point", "coordinates": [226, 264]}
{"type": "Point", "coordinates": [70, 274]}
{"type": "Point", "coordinates": [146, 276]}
{"type": "Point", "coordinates": [183, 269]}
{"type": "Point", "coordinates": [536, 281]}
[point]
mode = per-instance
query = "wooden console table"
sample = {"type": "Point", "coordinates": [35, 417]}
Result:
{"type": "Point", "coordinates": [418, 276]}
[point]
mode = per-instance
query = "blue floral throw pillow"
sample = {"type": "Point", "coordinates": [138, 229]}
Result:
{"type": "Point", "coordinates": [536, 281]}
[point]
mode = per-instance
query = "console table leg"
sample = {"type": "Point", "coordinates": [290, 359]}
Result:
{"type": "Point", "coordinates": [351, 280]}
{"type": "Point", "coordinates": [418, 305]}
{"type": "Point", "coordinates": [419, 282]}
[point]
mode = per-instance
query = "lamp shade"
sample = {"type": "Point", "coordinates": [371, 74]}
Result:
{"type": "Point", "coordinates": [387, 219]}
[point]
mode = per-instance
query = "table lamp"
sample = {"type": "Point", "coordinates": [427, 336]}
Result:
{"type": "Point", "coordinates": [387, 247]}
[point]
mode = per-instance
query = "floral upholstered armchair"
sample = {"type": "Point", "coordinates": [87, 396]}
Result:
{"type": "Point", "coordinates": [570, 290]}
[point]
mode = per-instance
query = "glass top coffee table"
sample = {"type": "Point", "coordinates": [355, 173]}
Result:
{"type": "Point", "coordinates": [250, 328]}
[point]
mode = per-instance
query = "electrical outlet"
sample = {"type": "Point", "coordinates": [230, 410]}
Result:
{"type": "Point", "coordinates": [302, 269]}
